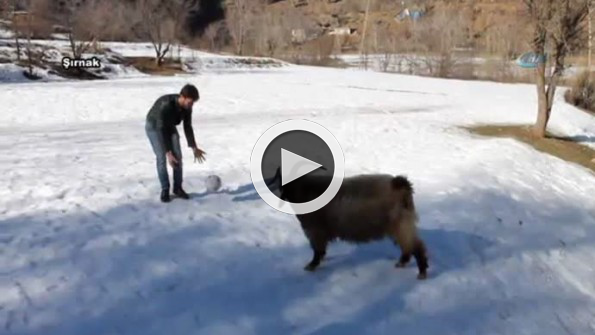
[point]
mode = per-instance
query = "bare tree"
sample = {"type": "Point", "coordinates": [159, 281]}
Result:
{"type": "Point", "coordinates": [244, 23]}
{"type": "Point", "coordinates": [211, 33]}
{"type": "Point", "coordinates": [590, 36]}
{"type": "Point", "coordinates": [387, 48]}
{"type": "Point", "coordinates": [76, 20]}
{"type": "Point", "coordinates": [557, 24]}
{"type": "Point", "coordinates": [5, 9]}
{"type": "Point", "coordinates": [157, 21]}
{"type": "Point", "coordinates": [12, 6]}
{"type": "Point", "coordinates": [111, 20]}
{"type": "Point", "coordinates": [236, 22]}
{"type": "Point", "coordinates": [28, 28]}
{"type": "Point", "coordinates": [179, 9]}
{"type": "Point", "coordinates": [30, 24]}
{"type": "Point", "coordinates": [26, 25]}
{"type": "Point", "coordinates": [363, 52]}
{"type": "Point", "coordinates": [436, 36]}
{"type": "Point", "coordinates": [97, 20]}
{"type": "Point", "coordinates": [270, 33]}
{"type": "Point", "coordinates": [157, 25]}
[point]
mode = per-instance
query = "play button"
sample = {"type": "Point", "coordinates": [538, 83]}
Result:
{"type": "Point", "coordinates": [294, 166]}
{"type": "Point", "coordinates": [295, 151]}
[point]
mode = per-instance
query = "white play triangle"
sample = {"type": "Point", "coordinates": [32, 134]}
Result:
{"type": "Point", "coordinates": [295, 166]}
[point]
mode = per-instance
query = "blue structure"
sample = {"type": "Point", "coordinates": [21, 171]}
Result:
{"type": "Point", "coordinates": [531, 60]}
{"type": "Point", "coordinates": [414, 15]}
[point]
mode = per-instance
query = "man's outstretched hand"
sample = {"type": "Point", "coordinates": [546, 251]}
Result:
{"type": "Point", "coordinates": [173, 161]}
{"type": "Point", "coordinates": [199, 155]}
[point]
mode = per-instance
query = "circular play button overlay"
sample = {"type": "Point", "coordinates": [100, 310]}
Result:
{"type": "Point", "coordinates": [297, 166]}
{"type": "Point", "coordinates": [298, 152]}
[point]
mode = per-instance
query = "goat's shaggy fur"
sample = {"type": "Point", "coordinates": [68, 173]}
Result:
{"type": "Point", "coordinates": [366, 208]}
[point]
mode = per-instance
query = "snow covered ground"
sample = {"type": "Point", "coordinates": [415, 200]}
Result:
{"type": "Point", "coordinates": [87, 248]}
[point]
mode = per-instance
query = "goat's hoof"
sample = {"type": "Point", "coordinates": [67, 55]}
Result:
{"type": "Point", "coordinates": [400, 265]}
{"type": "Point", "coordinates": [310, 268]}
{"type": "Point", "coordinates": [422, 276]}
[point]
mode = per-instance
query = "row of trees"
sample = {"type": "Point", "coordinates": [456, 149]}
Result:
{"type": "Point", "coordinates": [163, 23]}
{"type": "Point", "coordinates": [248, 27]}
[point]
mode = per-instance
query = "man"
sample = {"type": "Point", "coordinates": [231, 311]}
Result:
{"type": "Point", "coordinates": [161, 121]}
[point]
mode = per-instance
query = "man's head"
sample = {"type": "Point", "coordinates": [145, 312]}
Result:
{"type": "Point", "coordinates": [188, 96]}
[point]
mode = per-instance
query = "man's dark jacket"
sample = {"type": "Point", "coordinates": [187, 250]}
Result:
{"type": "Point", "coordinates": [165, 115]}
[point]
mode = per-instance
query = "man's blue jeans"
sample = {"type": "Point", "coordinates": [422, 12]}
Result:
{"type": "Point", "coordinates": [159, 150]}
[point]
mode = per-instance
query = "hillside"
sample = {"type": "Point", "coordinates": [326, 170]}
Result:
{"type": "Point", "coordinates": [332, 14]}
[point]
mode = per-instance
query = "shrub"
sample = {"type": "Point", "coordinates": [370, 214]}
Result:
{"type": "Point", "coordinates": [582, 91]}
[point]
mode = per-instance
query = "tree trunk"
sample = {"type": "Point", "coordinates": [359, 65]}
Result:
{"type": "Point", "coordinates": [18, 42]}
{"type": "Point", "coordinates": [362, 47]}
{"type": "Point", "coordinates": [180, 54]}
{"type": "Point", "coordinates": [29, 51]}
{"type": "Point", "coordinates": [16, 29]}
{"type": "Point", "coordinates": [157, 47]}
{"type": "Point", "coordinates": [240, 12]}
{"type": "Point", "coordinates": [72, 45]}
{"type": "Point", "coordinates": [590, 42]}
{"type": "Point", "coordinates": [161, 53]}
{"type": "Point", "coordinates": [543, 110]}
{"type": "Point", "coordinates": [546, 94]}
{"type": "Point", "coordinates": [240, 49]}
{"type": "Point", "coordinates": [29, 56]}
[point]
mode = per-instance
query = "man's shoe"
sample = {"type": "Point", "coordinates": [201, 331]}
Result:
{"type": "Point", "coordinates": [180, 193]}
{"type": "Point", "coordinates": [165, 196]}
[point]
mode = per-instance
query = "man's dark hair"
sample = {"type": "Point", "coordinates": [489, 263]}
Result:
{"type": "Point", "coordinates": [189, 91]}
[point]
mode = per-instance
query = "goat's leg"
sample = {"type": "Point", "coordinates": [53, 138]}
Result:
{"type": "Point", "coordinates": [318, 242]}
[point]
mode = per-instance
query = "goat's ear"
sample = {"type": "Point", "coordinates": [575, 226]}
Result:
{"type": "Point", "coordinates": [280, 183]}
{"type": "Point", "coordinates": [276, 179]}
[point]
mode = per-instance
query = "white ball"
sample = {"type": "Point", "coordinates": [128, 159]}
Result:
{"type": "Point", "coordinates": [213, 183]}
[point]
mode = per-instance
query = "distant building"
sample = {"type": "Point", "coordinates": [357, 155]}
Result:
{"type": "Point", "coordinates": [406, 13]}
{"type": "Point", "coordinates": [342, 31]}
{"type": "Point", "coordinates": [303, 35]}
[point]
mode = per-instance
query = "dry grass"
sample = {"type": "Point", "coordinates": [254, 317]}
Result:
{"type": "Point", "coordinates": [577, 60]}
{"type": "Point", "coordinates": [147, 65]}
{"type": "Point", "coordinates": [565, 148]}
{"type": "Point", "coordinates": [582, 92]}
